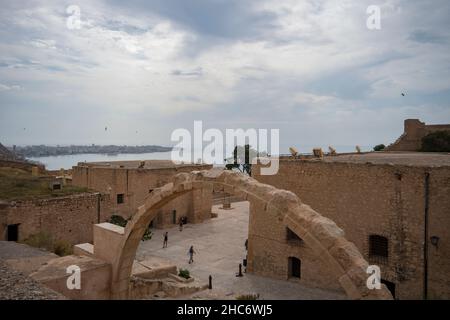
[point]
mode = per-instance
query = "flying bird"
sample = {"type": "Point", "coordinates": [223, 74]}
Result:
{"type": "Point", "coordinates": [403, 94]}
{"type": "Point", "coordinates": [106, 128]}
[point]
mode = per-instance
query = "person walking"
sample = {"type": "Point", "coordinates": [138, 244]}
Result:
{"type": "Point", "coordinates": [191, 254]}
{"type": "Point", "coordinates": [181, 224]}
{"type": "Point", "coordinates": [166, 237]}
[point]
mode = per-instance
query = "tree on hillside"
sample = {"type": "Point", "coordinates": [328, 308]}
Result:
{"type": "Point", "coordinates": [438, 141]}
{"type": "Point", "coordinates": [242, 159]}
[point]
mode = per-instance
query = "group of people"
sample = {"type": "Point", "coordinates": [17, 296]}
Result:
{"type": "Point", "coordinates": [191, 251]}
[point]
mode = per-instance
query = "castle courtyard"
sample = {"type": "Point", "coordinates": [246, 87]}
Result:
{"type": "Point", "coordinates": [220, 247]}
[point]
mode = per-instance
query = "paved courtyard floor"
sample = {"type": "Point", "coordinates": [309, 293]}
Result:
{"type": "Point", "coordinates": [220, 247]}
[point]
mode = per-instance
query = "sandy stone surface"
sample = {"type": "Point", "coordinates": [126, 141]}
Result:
{"type": "Point", "coordinates": [16, 261]}
{"type": "Point", "coordinates": [14, 250]}
{"type": "Point", "coordinates": [220, 248]}
{"type": "Point", "coordinates": [24, 258]}
{"type": "Point", "coordinates": [14, 285]}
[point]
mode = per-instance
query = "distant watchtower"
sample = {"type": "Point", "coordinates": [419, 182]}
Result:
{"type": "Point", "coordinates": [414, 131]}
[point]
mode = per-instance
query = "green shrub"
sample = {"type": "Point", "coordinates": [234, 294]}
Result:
{"type": "Point", "coordinates": [147, 235]}
{"type": "Point", "coordinates": [118, 220]}
{"type": "Point", "coordinates": [184, 273]}
{"type": "Point", "coordinates": [44, 240]}
{"type": "Point", "coordinates": [62, 248]}
{"type": "Point", "coordinates": [438, 141]}
{"type": "Point", "coordinates": [379, 147]}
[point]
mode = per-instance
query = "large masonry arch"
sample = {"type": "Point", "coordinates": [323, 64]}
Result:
{"type": "Point", "coordinates": [118, 245]}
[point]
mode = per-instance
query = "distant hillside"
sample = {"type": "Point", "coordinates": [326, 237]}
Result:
{"type": "Point", "coordinates": [43, 151]}
{"type": "Point", "coordinates": [6, 154]}
{"type": "Point", "coordinates": [18, 184]}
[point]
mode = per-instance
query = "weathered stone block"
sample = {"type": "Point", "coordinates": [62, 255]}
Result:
{"type": "Point", "coordinates": [167, 190]}
{"type": "Point", "coordinates": [326, 231]}
{"type": "Point", "coordinates": [351, 290]}
{"type": "Point", "coordinates": [346, 254]}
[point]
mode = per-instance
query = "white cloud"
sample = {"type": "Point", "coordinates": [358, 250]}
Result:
{"type": "Point", "coordinates": [4, 87]}
{"type": "Point", "coordinates": [314, 59]}
{"type": "Point", "coordinates": [43, 44]}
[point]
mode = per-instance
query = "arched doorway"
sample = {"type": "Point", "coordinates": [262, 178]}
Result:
{"type": "Point", "coordinates": [319, 233]}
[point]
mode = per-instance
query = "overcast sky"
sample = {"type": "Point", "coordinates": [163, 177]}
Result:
{"type": "Point", "coordinates": [144, 68]}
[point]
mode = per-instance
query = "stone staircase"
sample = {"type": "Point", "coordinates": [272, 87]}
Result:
{"type": "Point", "coordinates": [397, 142]}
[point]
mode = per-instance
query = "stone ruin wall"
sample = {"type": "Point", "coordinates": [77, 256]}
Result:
{"type": "Point", "coordinates": [68, 218]}
{"type": "Point", "coordinates": [364, 199]}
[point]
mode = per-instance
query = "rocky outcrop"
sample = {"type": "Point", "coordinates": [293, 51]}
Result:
{"type": "Point", "coordinates": [17, 286]}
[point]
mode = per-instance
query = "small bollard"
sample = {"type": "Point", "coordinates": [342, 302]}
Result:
{"type": "Point", "coordinates": [210, 282]}
{"type": "Point", "coordinates": [240, 271]}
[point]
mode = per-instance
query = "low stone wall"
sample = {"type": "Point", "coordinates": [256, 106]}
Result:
{"type": "Point", "coordinates": [141, 288]}
{"type": "Point", "coordinates": [153, 268]}
{"type": "Point", "coordinates": [68, 218]}
{"type": "Point", "coordinates": [94, 277]}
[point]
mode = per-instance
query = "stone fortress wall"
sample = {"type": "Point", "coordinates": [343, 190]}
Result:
{"type": "Point", "coordinates": [415, 130]}
{"type": "Point", "coordinates": [365, 199]}
{"type": "Point", "coordinates": [124, 179]}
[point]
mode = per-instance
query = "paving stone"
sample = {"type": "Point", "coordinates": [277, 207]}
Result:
{"type": "Point", "coordinates": [220, 248]}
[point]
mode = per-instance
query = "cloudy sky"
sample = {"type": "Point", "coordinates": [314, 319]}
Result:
{"type": "Point", "coordinates": [144, 68]}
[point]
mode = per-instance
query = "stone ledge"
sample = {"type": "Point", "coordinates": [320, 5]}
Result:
{"type": "Point", "coordinates": [110, 227]}
{"type": "Point", "coordinates": [180, 279]}
{"type": "Point", "coordinates": [153, 268]}
{"type": "Point", "coordinates": [83, 249]}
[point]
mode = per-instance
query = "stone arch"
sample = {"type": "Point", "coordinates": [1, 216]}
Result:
{"type": "Point", "coordinates": [321, 234]}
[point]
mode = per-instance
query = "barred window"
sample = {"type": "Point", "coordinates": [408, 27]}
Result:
{"type": "Point", "coordinates": [378, 246]}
